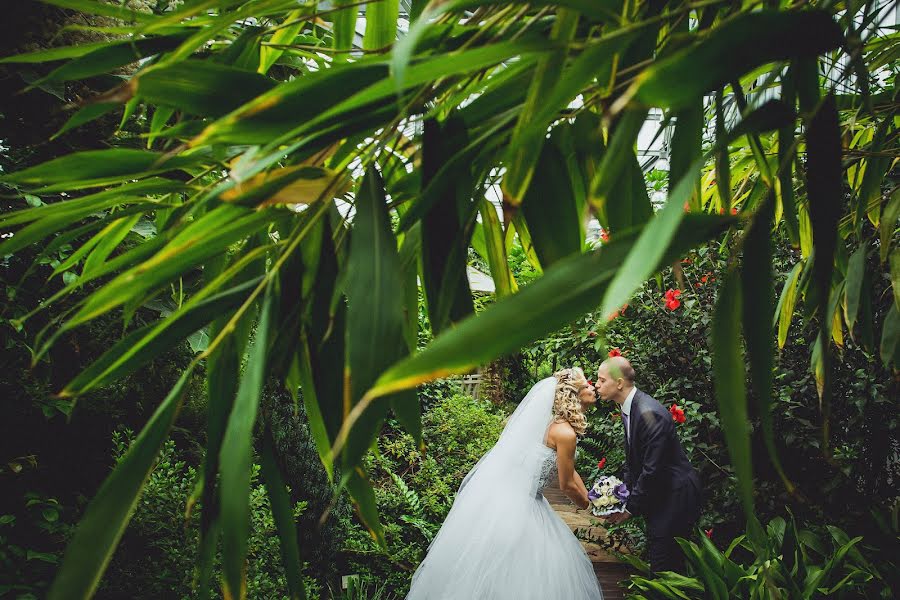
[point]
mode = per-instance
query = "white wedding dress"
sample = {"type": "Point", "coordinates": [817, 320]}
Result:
{"type": "Point", "coordinates": [501, 539]}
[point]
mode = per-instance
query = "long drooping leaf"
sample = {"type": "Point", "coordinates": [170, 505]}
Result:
{"type": "Point", "coordinates": [110, 510]}
{"type": "Point", "coordinates": [375, 323]}
{"type": "Point", "coordinates": [853, 290]}
{"type": "Point", "coordinates": [785, 309]}
{"type": "Point", "coordinates": [97, 167]}
{"type": "Point", "coordinates": [550, 208]}
{"type": "Point", "coordinates": [889, 223]}
{"type": "Point", "coordinates": [285, 35]}
{"type": "Point", "coordinates": [236, 459]}
{"type": "Point", "coordinates": [282, 513]}
{"type": "Point", "coordinates": [890, 337]}
{"type": "Point", "coordinates": [756, 277]}
{"type": "Point", "coordinates": [200, 87]}
{"type": "Point", "coordinates": [823, 140]}
{"type": "Point", "coordinates": [381, 24]}
{"type": "Point", "coordinates": [734, 48]}
{"type": "Point", "coordinates": [731, 394]}
{"type": "Point", "coordinates": [567, 290]}
{"type": "Point", "coordinates": [495, 249]}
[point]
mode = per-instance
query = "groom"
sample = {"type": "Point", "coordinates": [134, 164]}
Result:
{"type": "Point", "coordinates": [664, 487]}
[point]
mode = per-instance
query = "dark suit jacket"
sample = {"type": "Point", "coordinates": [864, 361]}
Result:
{"type": "Point", "coordinates": [664, 487]}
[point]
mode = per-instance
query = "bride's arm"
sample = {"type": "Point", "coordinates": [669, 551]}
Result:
{"type": "Point", "coordinates": [569, 481]}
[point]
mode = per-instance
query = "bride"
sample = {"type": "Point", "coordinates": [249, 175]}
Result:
{"type": "Point", "coordinates": [501, 539]}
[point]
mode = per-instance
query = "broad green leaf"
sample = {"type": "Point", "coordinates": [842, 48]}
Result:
{"type": "Point", "coordinates": [731, 394]}
{"type": "Point", "coordinates": [161, 116]}
{"type": "Point", "coordinates": [890, 336]}
{"type": "Point", "coordinates": [113, 56]}
{"type": "Point", "coordinates": [823, 140]}
{"type": "Point", "coordinates": [106, 517]}
{"type": "Point", "coordinates": [785, 310]}
{"type": "Point", "coordinates": [550, 209]}
{"type": "Point", "coordinates": [615, 159]}
{"type": "Point", "coordinates": [217, 230]}
{"type": "Point", "coordinates": [283, 514]}
{"type": "Point", "coordinates": [97, 167]}
{"type": "Point", "coordinates": [495, 249]}
{"type": "Point", "coordinates": [364, 499]}
{"type": "Point", "coordinates": [888, 223]}
{"type": "Point", "coordinates": [84, 115]}
{"type": "Point", "coordinates": [756, 276]}
{"type": "Point", "coordinates": [375, 322]}
{"type": "Point", "coordinates": [895, 276]}
{"type": "Point", "coordinates": [735, 47]}
{"type": "Point", "coordinates": [567, 290]}
{"type": "Point", "coordinates": [686, 148]}
{"type": "Point", "coordinates": [381, 24]}
{"type": "Point", "coordinates": [855, 274]}
{"type": "Point", "coordinates": [54, 54]}
{"type": "Point", "coordinates": [200, 87]}
{"type": "Point", "coordinates": [344, 28]}
{"type": "Point", "coordinates": [146, 343]}
{"type": "Point", "coordinates": [236, 459]}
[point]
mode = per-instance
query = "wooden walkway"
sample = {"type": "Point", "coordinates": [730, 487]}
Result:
{"type": "Point", "coordinates": [610, 570]}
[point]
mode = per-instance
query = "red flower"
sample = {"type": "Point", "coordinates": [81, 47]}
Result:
{"type": "Point", "coordinates": [590, 382]}
{"type": "Point", "coordinates": [604, 235]}
{"type": "Point", "coordinates": [615, 352]}
{"type": "Point", "coordinates": [704, 278]}
{"type": "Point", "coordinates": [602, 463]}
{"type": "Point", "coordinates": [677, 414]}
{"type": "Point", "coordinates": [672, 301]}
{"type": "Point", "coordinates": [734, 212]}
{"type": "Point", "coordinates": [709, 532]}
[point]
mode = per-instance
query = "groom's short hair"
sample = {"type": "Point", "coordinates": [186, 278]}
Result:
{"type": "Point", "coordinates": [622, 366]}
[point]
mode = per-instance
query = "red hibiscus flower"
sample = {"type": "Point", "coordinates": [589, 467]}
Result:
{"type": "Point", "coordinates": [604, 235]}
{"type": "Point", "coordinates": [734, 210]}
{"type": "Point", "coordinates": [677, 414]}
{"type": "Point", "coordinates": [602, 463]}
{"type": "Point", "coordinates": [709, 532]}
{"type": "Point", "coordinates": [615, 352]}
{"type": "Point", "coordinates": [590, 382]}
{"type": "Point", "coordinates": [671, 298]}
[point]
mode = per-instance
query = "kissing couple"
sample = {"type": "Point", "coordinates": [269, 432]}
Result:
{"type": "Point", "coordinates": [502, 539]}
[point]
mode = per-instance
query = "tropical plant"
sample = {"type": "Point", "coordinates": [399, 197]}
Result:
{"type": "Point", "coordinates": [266, 125]}
{"type": "Point", "coordinates": [795, 563]}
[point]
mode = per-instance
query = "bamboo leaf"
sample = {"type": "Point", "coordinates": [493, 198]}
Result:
{"type": "Point", "coordinates": [855, 274]}
{"type": "Point", "coordinates": [217, 229]}
{"type": "Point", "coordinates": [375, 322]}
{"type": "Point", "coordinates": [890, 336]}
{"type": "Point", "coordinates": [283, 515]}
{"type": "Point", "coordinates": [495, 249]}
{"type": "Point", "coordinates": [785, 310]}
{"type": "Point", "coordinates": [366, 506]}
{"type": "Point", "coordinates": [112, 237]}
{"type": "Point", "coordinates": [237, 456]}
{"type": "Point", "coordinates": [549, 207]}
{"type": "Point", "coordinates": [889, 223]}
{"type": "Point", "coordinates": [735, 47]}
{"type": "Point", "coordinates": [895, 276]}
{"type": "Point", "coordinates": [381, 24]}
{"type": "Point", "coordinates": [146, 343]}
{"type": "Point", "coordinates": [731, 394]}
{"type": "Point", "coordinates": [84, 115]}
{"type": "Point", "coordinates": [106, 517]}
{"type": "Point", "coordinates": [268, 55]}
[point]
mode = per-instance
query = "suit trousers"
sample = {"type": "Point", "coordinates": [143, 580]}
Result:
{"type": "Point", "coordinates": [675, 517]}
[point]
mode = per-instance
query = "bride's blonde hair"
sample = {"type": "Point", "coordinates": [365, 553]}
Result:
{"type": "Point", "coordinates": [566, 405]}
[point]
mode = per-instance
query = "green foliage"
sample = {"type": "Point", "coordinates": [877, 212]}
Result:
{"type": "Point", "coordinates": [156, 555]}
{"type": "Point", "coordinates": [415, 489]}
{"type": "Point", "coordinates": [794, 563]}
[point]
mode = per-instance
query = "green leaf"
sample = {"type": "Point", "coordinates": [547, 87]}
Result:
{"type": "Point", "coordinates": [381, 24]}
{"type": "Point", "coordinates": [375, 322]}
{"type": "Point", "coordinates": [92, 7]}
{"type": "Point", "coordinates": [344, 27]}
{"type": "Point", "coordinates": [53, 54]}
{"type": "Point", "coordinates": [495, 249]}
{"type": "Point", "coordinates": [567, 290]}
{"type": "Point", "coordinates": [217, 229]}
{"type": "Point", "coordinates": [365, 502]}
{"type": "Point", "coordinates": [686, 148]}
{"type": "Point", "coordinates": [735, 47]}
{"type": "Point", "coordinates": [236, 459]}
{"type": "Point", "coordinates": [146, 343]}
{"type": "Point", "coordinates": [888, 223]}
{"type": "Point", "coordinates": [97, 167]}
{"type": "Point", "coordinates": [283, 515]}
{"type": "Point", "coordinates": [756, 275]}
{"type": "Point", "coordinates": [550, 209]}
{"type": "Point", "coordinates": [890, 336]}
{"type": "Point", "coordinates": [786, 161]}
{"type": "Point", "coordinates": [106, 517]}
{"type": "Point", "coordinates": [86, 114]}
{"type": "Point", "coordinates": [785, 309]}
{"type": "Point", "coordinates": [113, 235]}
{"type": "Point", "coordinates": [200, 87]}
{"type": "Point", "coordinates": [285, 35]}
{"type": "Point", "coordinates": [731, 394]}
{"type": "Point", "coordinates": [853, 288]}
{"type": "Point", "coordinates": [113, 56]}
{"type": "Point", "coordinates": [895, 276]}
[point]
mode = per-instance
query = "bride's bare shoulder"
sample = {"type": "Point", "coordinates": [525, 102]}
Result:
{"type": "Point", "coordinates": [561, 432]}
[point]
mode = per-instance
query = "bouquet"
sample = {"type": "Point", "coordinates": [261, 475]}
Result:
{"type": "Point", "coordinates": [608, 496]}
